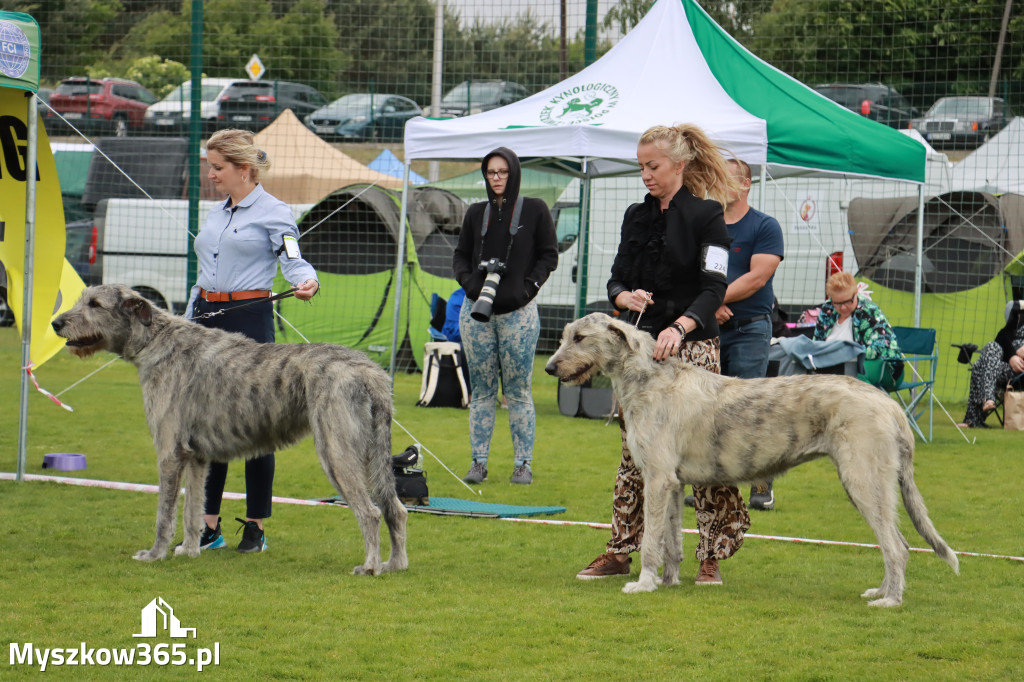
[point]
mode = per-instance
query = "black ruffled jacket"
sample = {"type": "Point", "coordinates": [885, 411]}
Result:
{"type": "Point", "coordinates": [534, 252]}
{"type": "Point", "coordinates": [665, 253]}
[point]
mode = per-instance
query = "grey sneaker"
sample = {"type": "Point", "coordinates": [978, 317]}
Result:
{"type": "Point", "coordinates": [522, 474]}
{"type": "Point", "coordinates": [762, 497]}
{"type": "Point", "coordinates": [477, 473]}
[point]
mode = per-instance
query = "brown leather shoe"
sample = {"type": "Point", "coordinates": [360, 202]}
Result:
{"type": "Point", "coordinates": [606, 566]}
{"type": "Point", "coordinates": [708, 573]}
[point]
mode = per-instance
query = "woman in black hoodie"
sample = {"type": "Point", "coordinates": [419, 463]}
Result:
{"type": "Point", "coordinates": [523, 253]}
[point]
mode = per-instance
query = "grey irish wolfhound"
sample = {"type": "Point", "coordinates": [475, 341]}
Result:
{"type": "Point", "coordinates": [212, 396]}
{"type": "Point", "coordinates": [687, 425]}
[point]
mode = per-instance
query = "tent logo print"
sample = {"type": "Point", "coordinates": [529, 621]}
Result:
{"type": "Point", "coordinates": [808, 209]}
{"type": "Point", "coordinates": [580, 104]}
{"type": "Point", "coordinates": [15, 50]}
{"type": "Point", "coordinates": [157, 615]}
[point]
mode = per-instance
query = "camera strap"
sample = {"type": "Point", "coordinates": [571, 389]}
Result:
{"type": "Point", "coordinates": [513, 227]}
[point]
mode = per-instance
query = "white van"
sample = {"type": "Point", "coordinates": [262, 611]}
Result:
{"type": "Point", "coordinates": [171, 114]}
{"type": "Point", "coordinates": [811, 212]}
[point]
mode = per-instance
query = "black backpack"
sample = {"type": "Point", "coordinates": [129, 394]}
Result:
{"type": "Point", "coordinates": [444, 376]}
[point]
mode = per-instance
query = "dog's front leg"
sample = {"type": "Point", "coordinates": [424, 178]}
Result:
{"type": "Point", "coordinates": [171, 466]}
{"type": "Point", "coordinates": [657, 494]}
{"type": "Point", "coordinates": [195, 502]}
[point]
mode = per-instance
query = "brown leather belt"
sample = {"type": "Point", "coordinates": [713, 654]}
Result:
{"type": "Point", "coordinates": [227, 296]}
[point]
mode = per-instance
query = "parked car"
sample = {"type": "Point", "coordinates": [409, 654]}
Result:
{"type": "Point", "coordinates": [364, 116]}
{"type": "Point", "coordinates": [963, 121]}
{"type": "Point", "coordinates": [253, 105]}
{"type": "Point", "coordinates": [171, 115]}
{"type": "Point", "coordinates": [875, 101]}
{"type": "Point", "coordinates": [102, 105]}
{"type": "Point", "coordinates": [474, 96]}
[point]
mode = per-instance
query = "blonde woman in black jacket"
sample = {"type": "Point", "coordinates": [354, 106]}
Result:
{"type": "Point", "coordinates": [506, 250]}
{"type": "Point", "coordinates": [669, 277]}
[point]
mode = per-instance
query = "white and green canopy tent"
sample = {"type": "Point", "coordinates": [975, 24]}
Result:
{"type": "Point", "coordinates": [676, 66]}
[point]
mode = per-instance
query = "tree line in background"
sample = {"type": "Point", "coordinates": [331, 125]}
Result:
{"type": "Point", "coordinates": [924, 48]}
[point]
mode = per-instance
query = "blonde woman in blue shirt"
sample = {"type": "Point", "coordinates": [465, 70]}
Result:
{"type": "Point", "coordinates": [238, 250]}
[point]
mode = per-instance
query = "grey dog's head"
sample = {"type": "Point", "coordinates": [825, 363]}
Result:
{"type": "Point", "coordinates": [595, 343]}
{"type": "Point", "coordinates": [104, 318]}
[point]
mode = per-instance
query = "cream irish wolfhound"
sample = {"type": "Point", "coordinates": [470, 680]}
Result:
{"type": "Point", "coordinates": [687, 425]}
{"type": "Point", "coordinates": [214, 396]}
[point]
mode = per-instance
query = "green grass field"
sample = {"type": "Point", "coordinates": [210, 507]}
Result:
{"type": "Point", "coordinates": [487, 599]}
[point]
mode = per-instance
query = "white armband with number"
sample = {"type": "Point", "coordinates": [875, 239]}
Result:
{"type": "Point", "coordinates": [715, 260]}
{"type": "Point", "coordinates": [291, 247]}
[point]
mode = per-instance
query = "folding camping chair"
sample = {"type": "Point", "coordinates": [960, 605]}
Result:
{"type": "Point", "coordinates": [918, 347]}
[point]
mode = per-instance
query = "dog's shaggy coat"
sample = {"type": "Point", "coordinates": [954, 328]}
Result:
{"type": "Point", "coordinates": [687, 425]}
{"type": "Point", "coordinates": [214, 396]}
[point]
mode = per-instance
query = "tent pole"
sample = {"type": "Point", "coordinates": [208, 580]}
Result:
{"type": "Point", "coordinates": [764, 188]}
{"type": "Point", "coordinates": [400, 266]}
{"type": "Point", "coordinates": [26, 308]}
{"type": "Point", "coordinates": [919, 251]}
{"type": "Point", "coordinates": [583, 261]}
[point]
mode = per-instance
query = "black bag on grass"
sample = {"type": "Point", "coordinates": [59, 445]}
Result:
{"type": "Point", "coordinates": [410, 480]}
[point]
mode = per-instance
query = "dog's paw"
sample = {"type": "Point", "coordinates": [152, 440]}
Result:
{"type": "Point", "coordinates": [181, 551]}
{"type": "Point", "coordinates": [392, 565]}
{"type": "Point", "coordinates": [669, 580]}
{"type": "Point", "coordinates": [873, 592]}
{"type": "Point", "coordinates": [366, 570]}
{"type": "Point", "coordinates": [886, 602]}
{"type": "Point", "coordinates": [147, 555]}
{"type": "Point", "coordinates": [640, 586]}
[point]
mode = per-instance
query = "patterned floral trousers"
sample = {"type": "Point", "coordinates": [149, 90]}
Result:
{"type": "Point", "coordinates": [988, 372]}
{"type": "Point", "coordinates": [722, 518]}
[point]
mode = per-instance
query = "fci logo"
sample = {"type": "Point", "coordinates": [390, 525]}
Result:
{"type": "Point", "coordinates": [158, 615]}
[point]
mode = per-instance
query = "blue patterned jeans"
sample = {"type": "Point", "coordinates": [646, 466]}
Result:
{"type": "Point", "coordinates": [501, 348]}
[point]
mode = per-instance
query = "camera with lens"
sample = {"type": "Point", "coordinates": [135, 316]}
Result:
{"type": "Point", "coordinates": [481, 311]}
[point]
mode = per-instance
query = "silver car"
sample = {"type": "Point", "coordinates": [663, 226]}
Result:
{"type": "Point", "coordinates": [963, 122]}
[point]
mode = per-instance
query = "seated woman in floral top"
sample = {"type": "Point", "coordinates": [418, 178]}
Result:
{"type": "Point", "coordinates": [851, 316]}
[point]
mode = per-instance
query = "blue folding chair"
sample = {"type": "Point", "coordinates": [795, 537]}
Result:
{"type": "Point", "coordinates": [920, 360]}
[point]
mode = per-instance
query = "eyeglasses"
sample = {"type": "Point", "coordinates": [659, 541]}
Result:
{"type": "Point", "coordinates": [503, 173]}
{"type": "Point", "coordinates": [846, 302]}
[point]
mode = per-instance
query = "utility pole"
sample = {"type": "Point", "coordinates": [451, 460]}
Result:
{"type": "Point", "coordinates": [999, 50]}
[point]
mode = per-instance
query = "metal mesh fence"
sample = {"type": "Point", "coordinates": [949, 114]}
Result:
{"type": "Point", "coordinates": [338, 79]}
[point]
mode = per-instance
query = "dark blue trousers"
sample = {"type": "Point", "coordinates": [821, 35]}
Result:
{"type": "Point", "coordinates": [256, 322]}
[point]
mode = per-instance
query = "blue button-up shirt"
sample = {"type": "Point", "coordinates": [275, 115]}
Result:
{"type": "Point", "coordinates": [238, 247]}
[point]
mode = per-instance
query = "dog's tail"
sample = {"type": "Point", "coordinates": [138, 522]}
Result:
{"type": "Point", "coordinates": [914, 503]}
{"type": "Point", "coordinates": [381, 475]}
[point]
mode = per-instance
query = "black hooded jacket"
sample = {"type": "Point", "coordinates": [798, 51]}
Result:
{"type": "Point", "coordinates": [534, 250]}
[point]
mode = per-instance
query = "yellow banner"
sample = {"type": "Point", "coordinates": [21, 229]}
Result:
{"type": "Point", "coordinates": [55, 285]}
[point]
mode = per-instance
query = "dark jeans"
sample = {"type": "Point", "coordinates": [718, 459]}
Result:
{"type": "Point", "coordinates": [745, 350]}
{"type": "Point", "coordinates": [256, 322]}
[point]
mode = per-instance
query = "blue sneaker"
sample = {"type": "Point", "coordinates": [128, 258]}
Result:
{"type": "Point", "coordinates": [253, 537]}
{"type": "Point", "coordinates": [211, 538]}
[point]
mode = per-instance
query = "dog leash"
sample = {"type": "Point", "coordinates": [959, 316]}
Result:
{"type": "Point", "coordinates": [275, 297]}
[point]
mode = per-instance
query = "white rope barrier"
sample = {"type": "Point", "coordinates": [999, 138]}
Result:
{"type": "Point", "coordinates": [145, 488]}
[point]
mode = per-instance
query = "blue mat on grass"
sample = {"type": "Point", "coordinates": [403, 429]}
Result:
{"type": "Point", "coordinates": [451, 506]}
